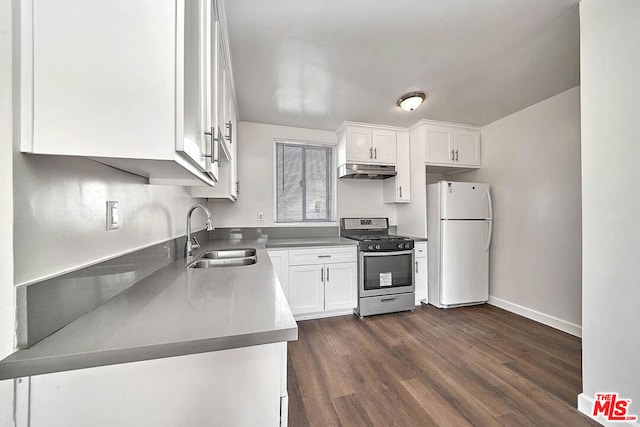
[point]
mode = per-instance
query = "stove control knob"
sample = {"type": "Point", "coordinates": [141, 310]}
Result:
{"type": "Point", "coordinates": [377, 247]}
{"type": "Point", "coordinates": [407, 245]}
{"type": "Point", "coordinates": [370, 247]}
{"type": "Point", "coordinates": [399, 245]}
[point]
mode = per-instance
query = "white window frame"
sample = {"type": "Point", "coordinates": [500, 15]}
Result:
{"type": "Point", "coordinates": [334, 180]}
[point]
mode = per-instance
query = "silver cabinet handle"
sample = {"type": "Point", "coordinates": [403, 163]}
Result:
{"type": "Point", "coordinates": [375, 153]}
{"type": "Point", "coordinates": [229, 126]}
{"type": "Point", "coordinates": [214, 153]}
{"type": "Point", "coordinates": [324, 256]}
{"type": "Point", "coordinates": [416, 267]}
{"type": "Point", "coordinates": [401, 191]}
{"type": "Point", "coordinates": [453, 156]}
{"type": "Point", "coordinates": [327, 274]}
{"type": "Point", "coordinates": [237, 187]}
{"type": "Point", "coordinates": [371, 152]}
{"type": "Point", "coordinates": [388, 299]}
{"type": "Point", "coordinates": [322, 274]}
{"type": "Point", "coordinates": [456, 155]}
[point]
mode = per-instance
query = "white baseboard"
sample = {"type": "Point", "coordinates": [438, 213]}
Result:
{"type": "Point", "coordinates": [585, 405]}
{"type": "Point", "coordinates": [545, 319]}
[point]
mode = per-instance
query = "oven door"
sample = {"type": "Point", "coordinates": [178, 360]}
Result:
{"type": "Point", "coordinates": [384, 273]}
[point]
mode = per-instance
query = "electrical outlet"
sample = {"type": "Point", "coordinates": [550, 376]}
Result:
{"type": "Point", "coordinates": [260, 216]}
{"type": "Point", "coordinates": [113, 215]}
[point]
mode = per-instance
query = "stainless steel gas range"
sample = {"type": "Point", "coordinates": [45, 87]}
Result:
{"type": "Point", "coordinates": [386, 278]}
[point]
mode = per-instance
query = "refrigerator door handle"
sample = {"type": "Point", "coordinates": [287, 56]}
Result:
{"type": "Point", "coordinates": [490, 204]}
{"type": "Point", "coordinates": [486, 248]}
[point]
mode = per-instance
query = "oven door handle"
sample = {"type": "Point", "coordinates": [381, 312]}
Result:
{"type": "Point", "coordinates": [368, 254]}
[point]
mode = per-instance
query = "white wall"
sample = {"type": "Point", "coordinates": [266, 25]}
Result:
{"type": "Point", "coordinates": [255, 173]}
{"type": "Point", "coordinates": [7, 310]}
{"type": "Point", "coordinates": [531, 159]}
{"type": "Point", "coordinates": [610, 89]}
{"type": "Point", "coordinates": [60, 213]}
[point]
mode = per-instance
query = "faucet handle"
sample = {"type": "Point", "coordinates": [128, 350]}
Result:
{"type": "Point", "coordinates": [195, 244]}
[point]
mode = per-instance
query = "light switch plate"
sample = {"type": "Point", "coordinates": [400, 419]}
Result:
{"type": "Point", "coordinates": [113, 215]}
{"type": "Point", "coordinates": [260, 216]}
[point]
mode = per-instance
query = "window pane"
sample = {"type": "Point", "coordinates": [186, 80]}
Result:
{"type": "Point", "coordinates": [290, 183]}
{"type": "Point", "coordinates": [317, 179]}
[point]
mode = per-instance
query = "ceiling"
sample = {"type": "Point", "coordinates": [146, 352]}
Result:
{"type": "Point", "coordinates": [317, 63]}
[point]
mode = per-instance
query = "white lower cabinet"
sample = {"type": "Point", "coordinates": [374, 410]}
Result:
{"type": "Point", "coordinates": [340, 286]}
{"type": "Point", "coordinates": [307, 293]}
{"type": "Point", "coordinates": [237, 387]}
{"type": "Point", "coordinates": [322, 282]}
{"type": "Point", "coordinates": [421, 273]}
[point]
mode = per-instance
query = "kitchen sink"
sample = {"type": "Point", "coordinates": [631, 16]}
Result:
{"type": "Point", "coordinates": [211, 263]}
{"type": "Point", "coordinates": [228, 253]}
{"type": "Point", "coordinates": [225, 258]}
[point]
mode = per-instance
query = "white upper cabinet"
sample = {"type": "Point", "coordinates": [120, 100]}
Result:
{"type": "Point", "coordinates": [384, 146]}
{"type": "Point", "coordinates": [452, 146]}
{"type": "Point", "coordinates": [467, 145]}
{"type": "Point", "coordinates": [222, 118]}
{"type": "Point", "coordinates": [193, 141]}
{"type": "Point", "coordinates": [222, 89]}
{"type": "Point", "coordinates": [366, 144]}
{"type": "Point", "coordinates": [439, 143]}
{"type": "Point", "coordinates": [227, 186]}
{"type": "Point", "coordinates": [358, 145]}
{"type": "Point", "coordinates": [122, 82]}
{"type": "Point", "coordinates": [398, 188]}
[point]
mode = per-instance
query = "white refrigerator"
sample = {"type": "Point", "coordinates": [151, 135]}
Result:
{"type": "Point", "coordinates": [459, 228]}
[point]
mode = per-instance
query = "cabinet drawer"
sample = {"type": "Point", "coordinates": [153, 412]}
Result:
{"type": "Point", "coordinates": [421, 249]}
{"type": "Point", "coordinates": [387, 304]}
{"type": "Point", "coordinates": [324, 255]}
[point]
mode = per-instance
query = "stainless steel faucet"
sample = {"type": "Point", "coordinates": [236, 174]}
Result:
{"type": "Point", "coordinates": [192, 242]}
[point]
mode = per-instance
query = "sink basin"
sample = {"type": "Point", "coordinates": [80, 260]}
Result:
{"type": "Point", "coordinates": [229, 262]}
{"type": "Point", "coordinates": [228, 253]}
{"type": "Point", "coordinates": [225, 258]}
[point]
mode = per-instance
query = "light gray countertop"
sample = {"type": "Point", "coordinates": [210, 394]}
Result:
{"type": "Point", "coordinates": [175, 311]}
{"type": "Point", "coordinates": [309, 241]}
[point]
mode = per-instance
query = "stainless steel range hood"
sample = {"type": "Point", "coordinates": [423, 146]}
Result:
{"type": "Point", "coordinates": [361, 171]}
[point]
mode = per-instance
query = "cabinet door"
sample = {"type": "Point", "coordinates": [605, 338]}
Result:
{"type": "Point", "coordinates": [192, 142]}
{"type": "Point", "coordinates": [421, 280]}
{"type": "Point", "coordinates": [144, 393]}
{"type": "Point", "coordinates": [306, 288]}
{"type": "Point", "coordinates": [384, 146]}
{"type": "Point", "coordinates": [103, 78]}
{"type": "Point", "coordinates": [467, 144]}
{"type": "Point", "coordinates": [280, 261]}
{"type": "Point", "coordinates": [403, 168]}
{"type": "Point", "coordinates": [211, 89]}
{"type": "Point", "coordinates": [359, 147]}
{"type": "Point", "coordinates": [233, 163]}
{"type": "Point", "coordinates": [222, 102]}
{"type": "Point", "coordinates": [439, 145]}
{"type": "Point", "coordinates": [340, 286]}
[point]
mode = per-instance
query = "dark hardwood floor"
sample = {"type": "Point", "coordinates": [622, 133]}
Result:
{"type": "Point", "coordinates": [473, 366]}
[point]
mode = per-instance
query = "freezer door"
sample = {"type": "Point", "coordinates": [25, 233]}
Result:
{"type": "Point", "coordinates": [464, 262]}
{"type": "Point", "coordinates": [464, 200]}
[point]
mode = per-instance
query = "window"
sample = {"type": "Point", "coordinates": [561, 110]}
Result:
{"type": "Point", "coordinates": [304, 182]}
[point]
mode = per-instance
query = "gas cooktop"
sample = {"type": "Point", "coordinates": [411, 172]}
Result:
{"type": "Point", "coordinates": [373, 238]}
{"type": "Point", "coordinates": [373, 235]}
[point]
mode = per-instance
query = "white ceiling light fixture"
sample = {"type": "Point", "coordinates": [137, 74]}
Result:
{"type": "Point", "coordinates": [411, 100]}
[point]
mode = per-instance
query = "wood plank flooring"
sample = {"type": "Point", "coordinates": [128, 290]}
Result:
{"type": "Point", "coordinates": [472, 366]}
